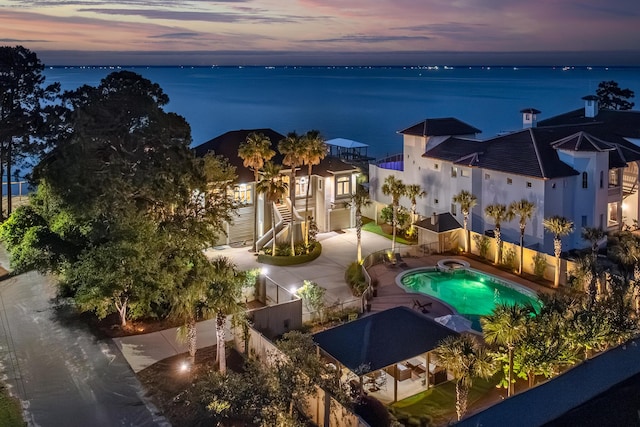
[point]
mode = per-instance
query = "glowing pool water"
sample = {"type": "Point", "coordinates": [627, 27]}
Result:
{"type": "Point", "coordinates": [469, 292]}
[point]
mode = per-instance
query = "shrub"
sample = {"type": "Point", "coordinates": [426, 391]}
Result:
{"type": "Point", "coordinates": [312, 295]}
{"type": "Point", "coordinates": [355, 279]}
{"type": "Point", "coordinates": [509, 258]}
{"type": "Point", "coordinates": [283, 249]}
{"type": "Point", "coordinates": [482, 242]}
{"type": "Point", "coordinates": [539, 264]}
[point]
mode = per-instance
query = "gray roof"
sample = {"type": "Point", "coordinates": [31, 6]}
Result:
{"type": "Point", "coordinates": [440, 127]}
{"type": "Point", "coordinates": [582, 141]}
{"type": "Point", "coordinates": [382, 339]}
{"type": "Point", "coordinates": [444, 222]}
{"type": "Point", "coordinates": [346, 143]}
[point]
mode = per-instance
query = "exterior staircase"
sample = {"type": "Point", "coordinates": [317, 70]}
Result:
{"type": "Point", "coordinates": [285, 212]}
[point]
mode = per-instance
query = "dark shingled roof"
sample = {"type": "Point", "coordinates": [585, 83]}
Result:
{"type": "Point", "coordinates": [444, 222]}
{"type": "Point", "coordinates": [227, 146]}
{"type": "Point", "coordinates": [526, 152]}
{"type": "Point", "coordinates": [582, 141]}
{"type": "Point", "coordinates": [382, 339]}
{"type": "Point", "coordinates": [612, 122]}
{"type": "Point", "coordinates": [440, 127]}
{"type": "Point", "coordinates": [329, 166]}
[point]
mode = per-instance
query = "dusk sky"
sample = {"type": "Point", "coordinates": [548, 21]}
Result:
{"type": "Point", "coordinates": [279, 32]}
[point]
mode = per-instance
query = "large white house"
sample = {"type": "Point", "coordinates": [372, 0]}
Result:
{"type": "Point", "coordinates": [582, 165]}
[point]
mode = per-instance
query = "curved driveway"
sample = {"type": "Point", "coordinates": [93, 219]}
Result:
{"type": "Point", "coordinates": [63, 375]}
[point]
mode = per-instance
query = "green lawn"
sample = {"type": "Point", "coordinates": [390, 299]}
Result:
{"type": "Point", "coordinates": [439, 402]}
{"type": "Point", "coordinates": [372, 227]}
{"type": "Point", "coordinates": [10, 410]}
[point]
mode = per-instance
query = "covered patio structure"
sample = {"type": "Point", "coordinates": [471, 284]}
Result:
{"type": "Point", "coordinates": [440, 232]}
{"type": "Point", "coordinates": [387, 353]}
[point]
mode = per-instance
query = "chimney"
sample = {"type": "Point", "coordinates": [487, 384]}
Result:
{"type": "Point", "coordinates": [590, 106]}
{"type": "Point", "coordinates": [529, 118]}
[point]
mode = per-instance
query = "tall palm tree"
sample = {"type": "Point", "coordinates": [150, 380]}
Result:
{"type": "Point", "coordinates": [626, 250]}
{"type": "Point", "coordinates": [467, 202]}
{"type": "Point", "coordinates": [291, 147]}
{"type": "Point", "coordinates": [314, 150]}
{"type": "Point", "coordinates": [396, 189]}
{"type": "Point", "coordinates": [224, 295]}
{"type": "Point", "coordinates": [593, 235]}
{"type": "Point", "coordinates": [465, 359]}
{"type": "Point", "coordinates": [359, 200]}
{"type": "Point", "coordinates": [273, 188]}
{"type": "Point", "coordinates": [414, 192]}
{"type": "Point", "coordinates": [254, 152]}
{"type": "Point", "coordinates": [189, 302]}
{"type": "Point", "coordinates": [560, 227]}
{"type": "Point", "coordinates": [498, 213]}
{"type": "Point", "coordinates": [524, 210]}
{"type": "Point", "coordinates": [507, 326]}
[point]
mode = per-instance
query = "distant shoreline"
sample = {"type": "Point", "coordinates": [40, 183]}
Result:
{"type": "Point", "coordinates": [416, 67]}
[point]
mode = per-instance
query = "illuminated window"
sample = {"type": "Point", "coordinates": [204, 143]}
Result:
{"type": "Point", "coordinates": [301, 186]}
{"type": "Point", "coordinates": [436, 166]}
{"type": "Point", "coordinates": [242, 193]}
{"type": "Point", "coordinates": [614, 178]}
{"type": "Point", "coordinates": [454, 172]}
{"type": "Point", "coordinates": [454, 209]}
{"type": "Point", "coordinates": [509, 181]}
{"type": "Point", "coordinates": [343, 186]}
{"type": "Point", "coordinates": [464, 172]}
{"type": "Point", "coordinates": [612, 217]}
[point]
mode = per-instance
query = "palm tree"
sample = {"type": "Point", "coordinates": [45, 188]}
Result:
{"type": "Point", "coordinates": [465, 359]}
{"type": "Point", "coordinates": [273, 188]}
{"type": "Point", "coordinates": [467, 201]}
{"type": "Point", "coordinates": [314, 150]}
{"type": "Point", "coordinates": [507, 326]}
{"type": "Point", "coordinates": [189, 302]}
{"type": "Point", "coordinates": [498, 213]}
{"type": "Point", "coordinates": [626, 250]}
{"type": "Point", "coordinates": [593, 235]}
{"type": "Point", "coordinates": [254, 152]}
{"type": "Point", "coordinates": [360, 199]}
{"type": "Point", "coordinates": [225, 290]}
{"type": "Point", "coordinates": [524, 210]}
{"type": "Point", "coordinates": [396, 188]}
{"type": "Point", "coordinates": [291, 147]}
{"type": "Point", "coordinates": [414, 192]}
{"type": "Point", "coordinates": [560, 227]}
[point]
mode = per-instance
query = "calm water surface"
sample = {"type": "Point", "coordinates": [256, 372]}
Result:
{"type": "Point", "coordinates": [365, 104]}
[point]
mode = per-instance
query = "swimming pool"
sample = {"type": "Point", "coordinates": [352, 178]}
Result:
{"type": "Point", "coordinates": [469, 292]}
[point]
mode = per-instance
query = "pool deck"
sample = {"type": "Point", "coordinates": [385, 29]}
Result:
{"type": "Point", "coordinates": [390, 295]}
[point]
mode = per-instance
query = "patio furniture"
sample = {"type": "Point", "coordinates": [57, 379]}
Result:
{"type": "Point", "coordinates": [403, 372]}
{"type": "Point", "coordinates": [418, 372]}
{"type": "Point", "coordinates": [423, 307]}
{"type": "Point", "coordinates": [438, 376]}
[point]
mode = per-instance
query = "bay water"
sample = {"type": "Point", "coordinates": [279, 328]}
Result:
{"type": "Point", "coordinates": [366, 104]}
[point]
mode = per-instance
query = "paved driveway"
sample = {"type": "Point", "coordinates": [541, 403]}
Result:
{"type": "Point", "coordinates": [338, 251]}
{"type": "Point", "coordinates": [63, 375]}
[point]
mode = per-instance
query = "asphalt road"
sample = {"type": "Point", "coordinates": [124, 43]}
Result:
{"type": "Point", "coordinates": [63, 375]}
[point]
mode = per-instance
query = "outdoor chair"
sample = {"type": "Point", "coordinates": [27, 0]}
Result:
{"type": "Point", "coordinates": [424, 307]}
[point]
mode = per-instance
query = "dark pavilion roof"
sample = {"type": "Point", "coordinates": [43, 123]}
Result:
{"type": "Point", "coordinates": [382, 339]}
{"type": "Point", "coordinates": [228, 143]}
{"type": "Point", "coordinates": [227, 146]}
{"type": "Point", "coordinates": [440, 127]}
{"type": "Point", "coordinates": [444, 222]}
